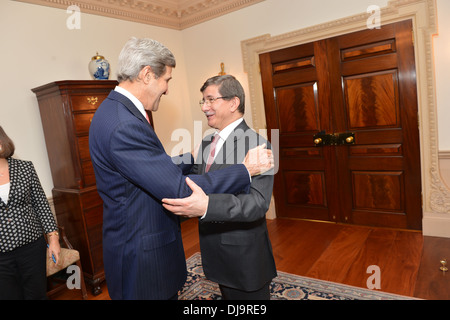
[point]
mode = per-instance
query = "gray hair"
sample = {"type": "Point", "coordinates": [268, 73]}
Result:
{"type": "Point", "coordinates": [139, 53]}
{"type": "Point", "coordinates": [229, 87]}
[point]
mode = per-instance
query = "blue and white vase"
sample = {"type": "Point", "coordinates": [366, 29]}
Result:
{"type": "Point", "coordinates": [99, 68]}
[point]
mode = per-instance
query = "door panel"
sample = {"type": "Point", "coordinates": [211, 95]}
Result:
{"type": "Point", "coordinates": [305, 188]}
{"type": "Point", "coordinates": [372, 100]}
{"type": "Point", "coordinates": [361, 83]}
{"type": "Point", "coordinates": [378, 191]}
{"type": "Point", "coordinates": [293, 98]}
{"type": "Point", "coordinates": [298, 109]}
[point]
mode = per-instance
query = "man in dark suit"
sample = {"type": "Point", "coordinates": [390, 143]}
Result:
{"type": "Point", "coordinates": [142, 247]}
{"type": "Point", "coordinates": [234, 241]}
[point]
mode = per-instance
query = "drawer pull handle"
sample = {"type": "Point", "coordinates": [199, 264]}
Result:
{"type": "Point", "coordinates": [92, 100]}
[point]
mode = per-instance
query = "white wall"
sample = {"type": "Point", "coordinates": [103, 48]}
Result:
{"type": "Point", "coordinates": [208, 44]}
{"type": "Point", "coordinates": [442, 67]}
{"type": "Point", "coordinates": [37, 48]}
{"type": "Point", "coordinates": [442, 63]}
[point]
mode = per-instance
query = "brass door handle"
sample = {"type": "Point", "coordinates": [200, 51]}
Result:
{"type": "Point", "coordinates": [321, 139]}
{"type": "Point", "coordinates": [334, 139]}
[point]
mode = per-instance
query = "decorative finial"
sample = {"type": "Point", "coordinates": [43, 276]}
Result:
{"type": "Point", "coordinates": [222, 69]}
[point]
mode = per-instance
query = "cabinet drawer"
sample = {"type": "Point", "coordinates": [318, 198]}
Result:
{"type": "Point", "coordinates": [82, 122]}
{"type": "Point", "coordinates": [87, 102]}
{"type": "Point", "coordinates": [83, 148]}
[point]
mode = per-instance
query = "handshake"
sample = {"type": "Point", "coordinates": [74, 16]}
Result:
{"type": "Point", "coordinates": [258, 161]}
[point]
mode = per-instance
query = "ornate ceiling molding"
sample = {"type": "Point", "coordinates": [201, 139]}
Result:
{"type": "Point", "coordinates": [174, 14]}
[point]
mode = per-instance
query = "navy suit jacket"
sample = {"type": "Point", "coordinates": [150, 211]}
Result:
{"type": "Point", "coordinates": [142, 247]}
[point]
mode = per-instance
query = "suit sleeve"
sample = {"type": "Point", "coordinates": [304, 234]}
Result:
{"type": "Point", "coordinates": [242, 207]}
{"type": "Point", "coordinates": [184, 162]}
{"type": "Point", "coordinates": [139, 156]}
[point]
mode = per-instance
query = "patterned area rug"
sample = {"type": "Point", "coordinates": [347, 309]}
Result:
{"type": "Point", "coordinates": [285, 286]}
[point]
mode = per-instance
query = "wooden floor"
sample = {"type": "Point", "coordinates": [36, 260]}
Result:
{"type": "Point", "coordinates": [408, 262]}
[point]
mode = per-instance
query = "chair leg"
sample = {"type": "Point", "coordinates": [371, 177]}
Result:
{"type": "Point", "coordinates": [83, 284]}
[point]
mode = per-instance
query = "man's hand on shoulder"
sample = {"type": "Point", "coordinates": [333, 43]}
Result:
{"type": "Point", "coordinates": [259, 160]}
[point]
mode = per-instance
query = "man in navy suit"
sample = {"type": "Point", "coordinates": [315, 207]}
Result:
{"type": "Point", "coordinates": [142, 246]}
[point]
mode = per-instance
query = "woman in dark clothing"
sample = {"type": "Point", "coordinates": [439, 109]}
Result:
{"type": "Point", "coordinates": [25, 216]}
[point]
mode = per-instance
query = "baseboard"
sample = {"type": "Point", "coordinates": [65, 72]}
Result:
{"type": "Point", "coordinates": [436, 225]}
{"type": "Point", "coordinates": [444, 155]}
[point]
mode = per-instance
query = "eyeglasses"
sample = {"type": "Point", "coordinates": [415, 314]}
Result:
{"type": "Point", "coordinates": [209, 101]}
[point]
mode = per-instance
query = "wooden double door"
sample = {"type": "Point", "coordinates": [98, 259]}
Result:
{"type": "Point", "coordinates": [346, 111]}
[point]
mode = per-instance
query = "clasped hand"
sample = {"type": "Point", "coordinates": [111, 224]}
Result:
{"type": "Point", "coordinates": [257, 161]}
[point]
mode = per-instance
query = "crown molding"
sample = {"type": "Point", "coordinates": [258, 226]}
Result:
{"type": "Point", "coordinates": [173, 14]}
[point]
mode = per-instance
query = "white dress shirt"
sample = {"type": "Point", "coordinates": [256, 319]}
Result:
{"type": "Point", "coordinates": [4, 192]}
{"type": "Point", "coordinates": [223, 136]}
{"type": "Point", "coordinates": [225, 133]}
{"type": "Point", "coordinates": [133, 99]}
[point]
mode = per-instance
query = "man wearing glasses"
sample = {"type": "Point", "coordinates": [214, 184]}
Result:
{"type": "Point", "coordinates": [234, 241]}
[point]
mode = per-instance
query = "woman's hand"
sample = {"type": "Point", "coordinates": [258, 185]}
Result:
{"type": "Point", "coordinates": [53, 246]}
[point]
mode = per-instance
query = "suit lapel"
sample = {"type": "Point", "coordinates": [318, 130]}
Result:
{"type": "Point", "coordinates": [230, 148]}
{"type": "Point", "coordinates": [128, 104]}
{"type": "Point", "coordinates": [117, 96]}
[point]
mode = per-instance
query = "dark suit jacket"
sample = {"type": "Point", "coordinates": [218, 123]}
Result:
{"type": "Point", "coordinates": [142, 249]}
{"type": "Point", "coordinates": [234, 242]}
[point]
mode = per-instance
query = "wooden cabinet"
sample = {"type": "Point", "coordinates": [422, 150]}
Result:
{"type": "Point", "coordinates": [66, 109]}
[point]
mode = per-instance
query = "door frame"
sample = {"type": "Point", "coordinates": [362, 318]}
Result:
{"type": "Point", "coordinates": [435, 193]}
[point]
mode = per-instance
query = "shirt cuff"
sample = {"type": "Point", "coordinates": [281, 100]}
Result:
{"type": "Point", "coordinates": [249, 176]}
